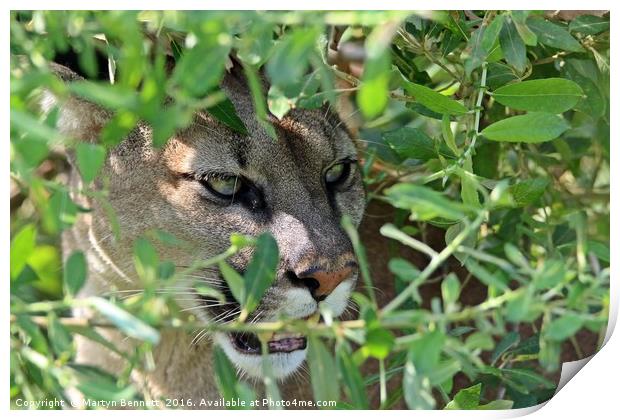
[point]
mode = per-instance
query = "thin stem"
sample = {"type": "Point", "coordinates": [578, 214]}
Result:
{"type": "Point", "coordinates": [472, 144]}
{"type": "Point", "coordinates": [478, 108]}
{"type": "Point", "coordinates": [483, 256]}
{"type": "Point", "coordinates": [435, 262]}
{"type": "Point", "coordinates": [382, 383]}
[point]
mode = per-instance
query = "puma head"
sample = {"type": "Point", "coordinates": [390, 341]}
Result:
{"type": "Point", "coordinates": [209, 182]}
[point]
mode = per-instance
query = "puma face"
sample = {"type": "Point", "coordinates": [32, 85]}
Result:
{"type": "Point", "coordinates": [297, 188]}
{"type": "Point", "coordinates": [209, 182]}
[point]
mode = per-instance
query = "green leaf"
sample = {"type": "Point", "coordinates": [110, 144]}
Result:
{"type": "Point", "coordinates": [225, 375]}
{"type": "Point", "coordinates": [46, 263]}
{"type": "Point", "coordinates": [550, 275]}
{"type": "Point", "coordinates": [225, 112]}
{"type": "Point", "coordinates": [289, 61]}
{"type": "Point", "coordinates": [379, 342]}
{"type": "Point", "coordinates": [230, 388]}
{"type": "Point", "coordinates": [93, 335]}
{"type": "Point", "coordinates": [164, 128]}
{"type": "Point", "coordinates": [433, 100]}
{"type": "Point", "coordinates": [491, 34]}
{"type": "Point", "coordinates": [445, 371]}
{"type": "Point", "coordinates": [97, 384]}
{"type": "Point", "coordinates": [322, 367]}
{"type": "Point", "coordinates": [507, 342]}
{"type": "Point", "coordinates": [490, 279]}
{"type": "Point", "coordinates": [90, 158]}
{"type": "Point", "coordinates": [422, 110]}
{"type": "Point", "coordinates": [61, 211]}
{"type": "Point", "coordinates": [563, 327]}
{"type": "Point", "coordinates": [235, 282]}
{"type": "Point", "coordinates": [519, 18]}
{"type": "Point", "coordinates": [258, 43]}
{"type": "Point", "coordinates": [515, 256]}
{"type": "Point", "coordinates": [241, 241]}
{"type": "Point", "coordinates": [523, 307]}
{"type": "Point", "coordinates": [165, 270]}
{"type": "Point", "coordinates": [541, 127]}
{"type": "Point", "coordinates": [554, 35]}
{"type": "Point", "coordinates": [424, 351]}
{"type": "Point", "coordinates": [31, 150]}
{"type": "Point", "coordinates": [272, 391]}
{"type": "Point", "coordinates": [261, 271]}
{"type": "Point", "coordinates": [403, 269]}
{"type": "Point", "coordinates": [36, 338]}
{"type": "Point", "coordinates": [409, 142]}
{"type": "Point", "coordinates": [527, 378]}
{"type": "Point", "coordinates": [466, 399]}
{"type": "Point", "coordinates": [59, 336]}
{"type": "Point", "coordinates": [549, 354]}
{"type": "Point", "coordinates": [352, 378]}
{"type": "Point", "coordinates": [258, 99]}
{"type": "Point", "coordinates": [513, 47]}
{"type": "Point", "coordinates": [496, 405]}
{"type": "Point", "coordinates": [528, 346]}
{"type": "Point", "coordinates": [450, 289]}
{"type": "Point", "coordinates": [125, 321]}
{"type": "Point", "coordinates": [302, 94]}
{"type": "Point", "coordinates": [452, 232]}
{"type": "Point", "coordinates": [424, 203]}
{"type": "Point", "coordinates": [479, 340]}
{"type": "Point", "coordinates": [593, 103]}
{"type": "Point", "coordinates": [373, 94]}
{"type": "Point", "coordinates": [146, 260]}
{"type": "Point", "coordinates": [75, 273]}
{"type": "Point", "coordinates": [448, 135]}
{"type": "Point", "coordinates": [360, 252]}
{"type": "Point", "coordinates": [417, 389]}
{"type": "Point", "coordinates": [191, 75]}
{"type": "Point", "coordinates": [477, 52]}
{"type": "Point", "coordinates": [22, 246]}
{"type": "Point", "coordinates": [528, 192]}
{"type": "Point", "coordinates": [553, 95]}
{"type": "Point", "coordinates": [109, 96]}
{"type": "Point", "coordinates": [481, 43]}
{"type": "Point", "coordinates": [279, 104]}
{"type": "Point", "coordinates": [589, 24]}
{"type": "Point", "coordinates": [469, 184]}
{"type": "Point", "coordinates": [39, 133]}
{"type": "Point", "coordinates": [118, 127]}
{"type": "Point", "coordinates": [599, 249]}
{"type": "Point", "coordinates": [499, 74]}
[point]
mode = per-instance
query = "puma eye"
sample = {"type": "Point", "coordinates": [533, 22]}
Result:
{"type": "Point", "coordinates": [337, 173]}
{"type": "Point", "coordinates": [225, 186]}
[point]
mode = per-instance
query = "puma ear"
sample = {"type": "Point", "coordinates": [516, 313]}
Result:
{"type": "Point", "coordinates": [78, 118]}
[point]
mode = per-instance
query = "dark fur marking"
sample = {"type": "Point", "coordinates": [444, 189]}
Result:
{"type": "Point", "coordinates": [240, 149]}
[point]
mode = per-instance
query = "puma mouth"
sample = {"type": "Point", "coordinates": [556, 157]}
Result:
{"type": "Point", "coordinates": [249, 343]}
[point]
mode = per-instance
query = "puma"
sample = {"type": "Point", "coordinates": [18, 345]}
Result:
{"type": "Point", "coordinates": [206, 183]}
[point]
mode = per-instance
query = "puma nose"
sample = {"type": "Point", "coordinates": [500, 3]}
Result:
{"type": "Point", "coordinates": [322, 282]}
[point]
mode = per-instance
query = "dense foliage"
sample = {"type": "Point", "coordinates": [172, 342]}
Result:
{"type": "Point", "coordinates": [492, 126]}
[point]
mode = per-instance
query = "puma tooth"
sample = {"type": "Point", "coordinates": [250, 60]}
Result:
{"type": "Point", "coordinates": [282, 336]}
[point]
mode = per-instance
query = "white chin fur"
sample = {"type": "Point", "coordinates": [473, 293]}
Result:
{"type": "Point", "coordinates": [298, 303]}
{"type": "Point", "coordinates": [282, 364]}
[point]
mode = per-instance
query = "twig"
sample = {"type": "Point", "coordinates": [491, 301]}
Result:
{"type": "Point", "coordinates": [434, 264]}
